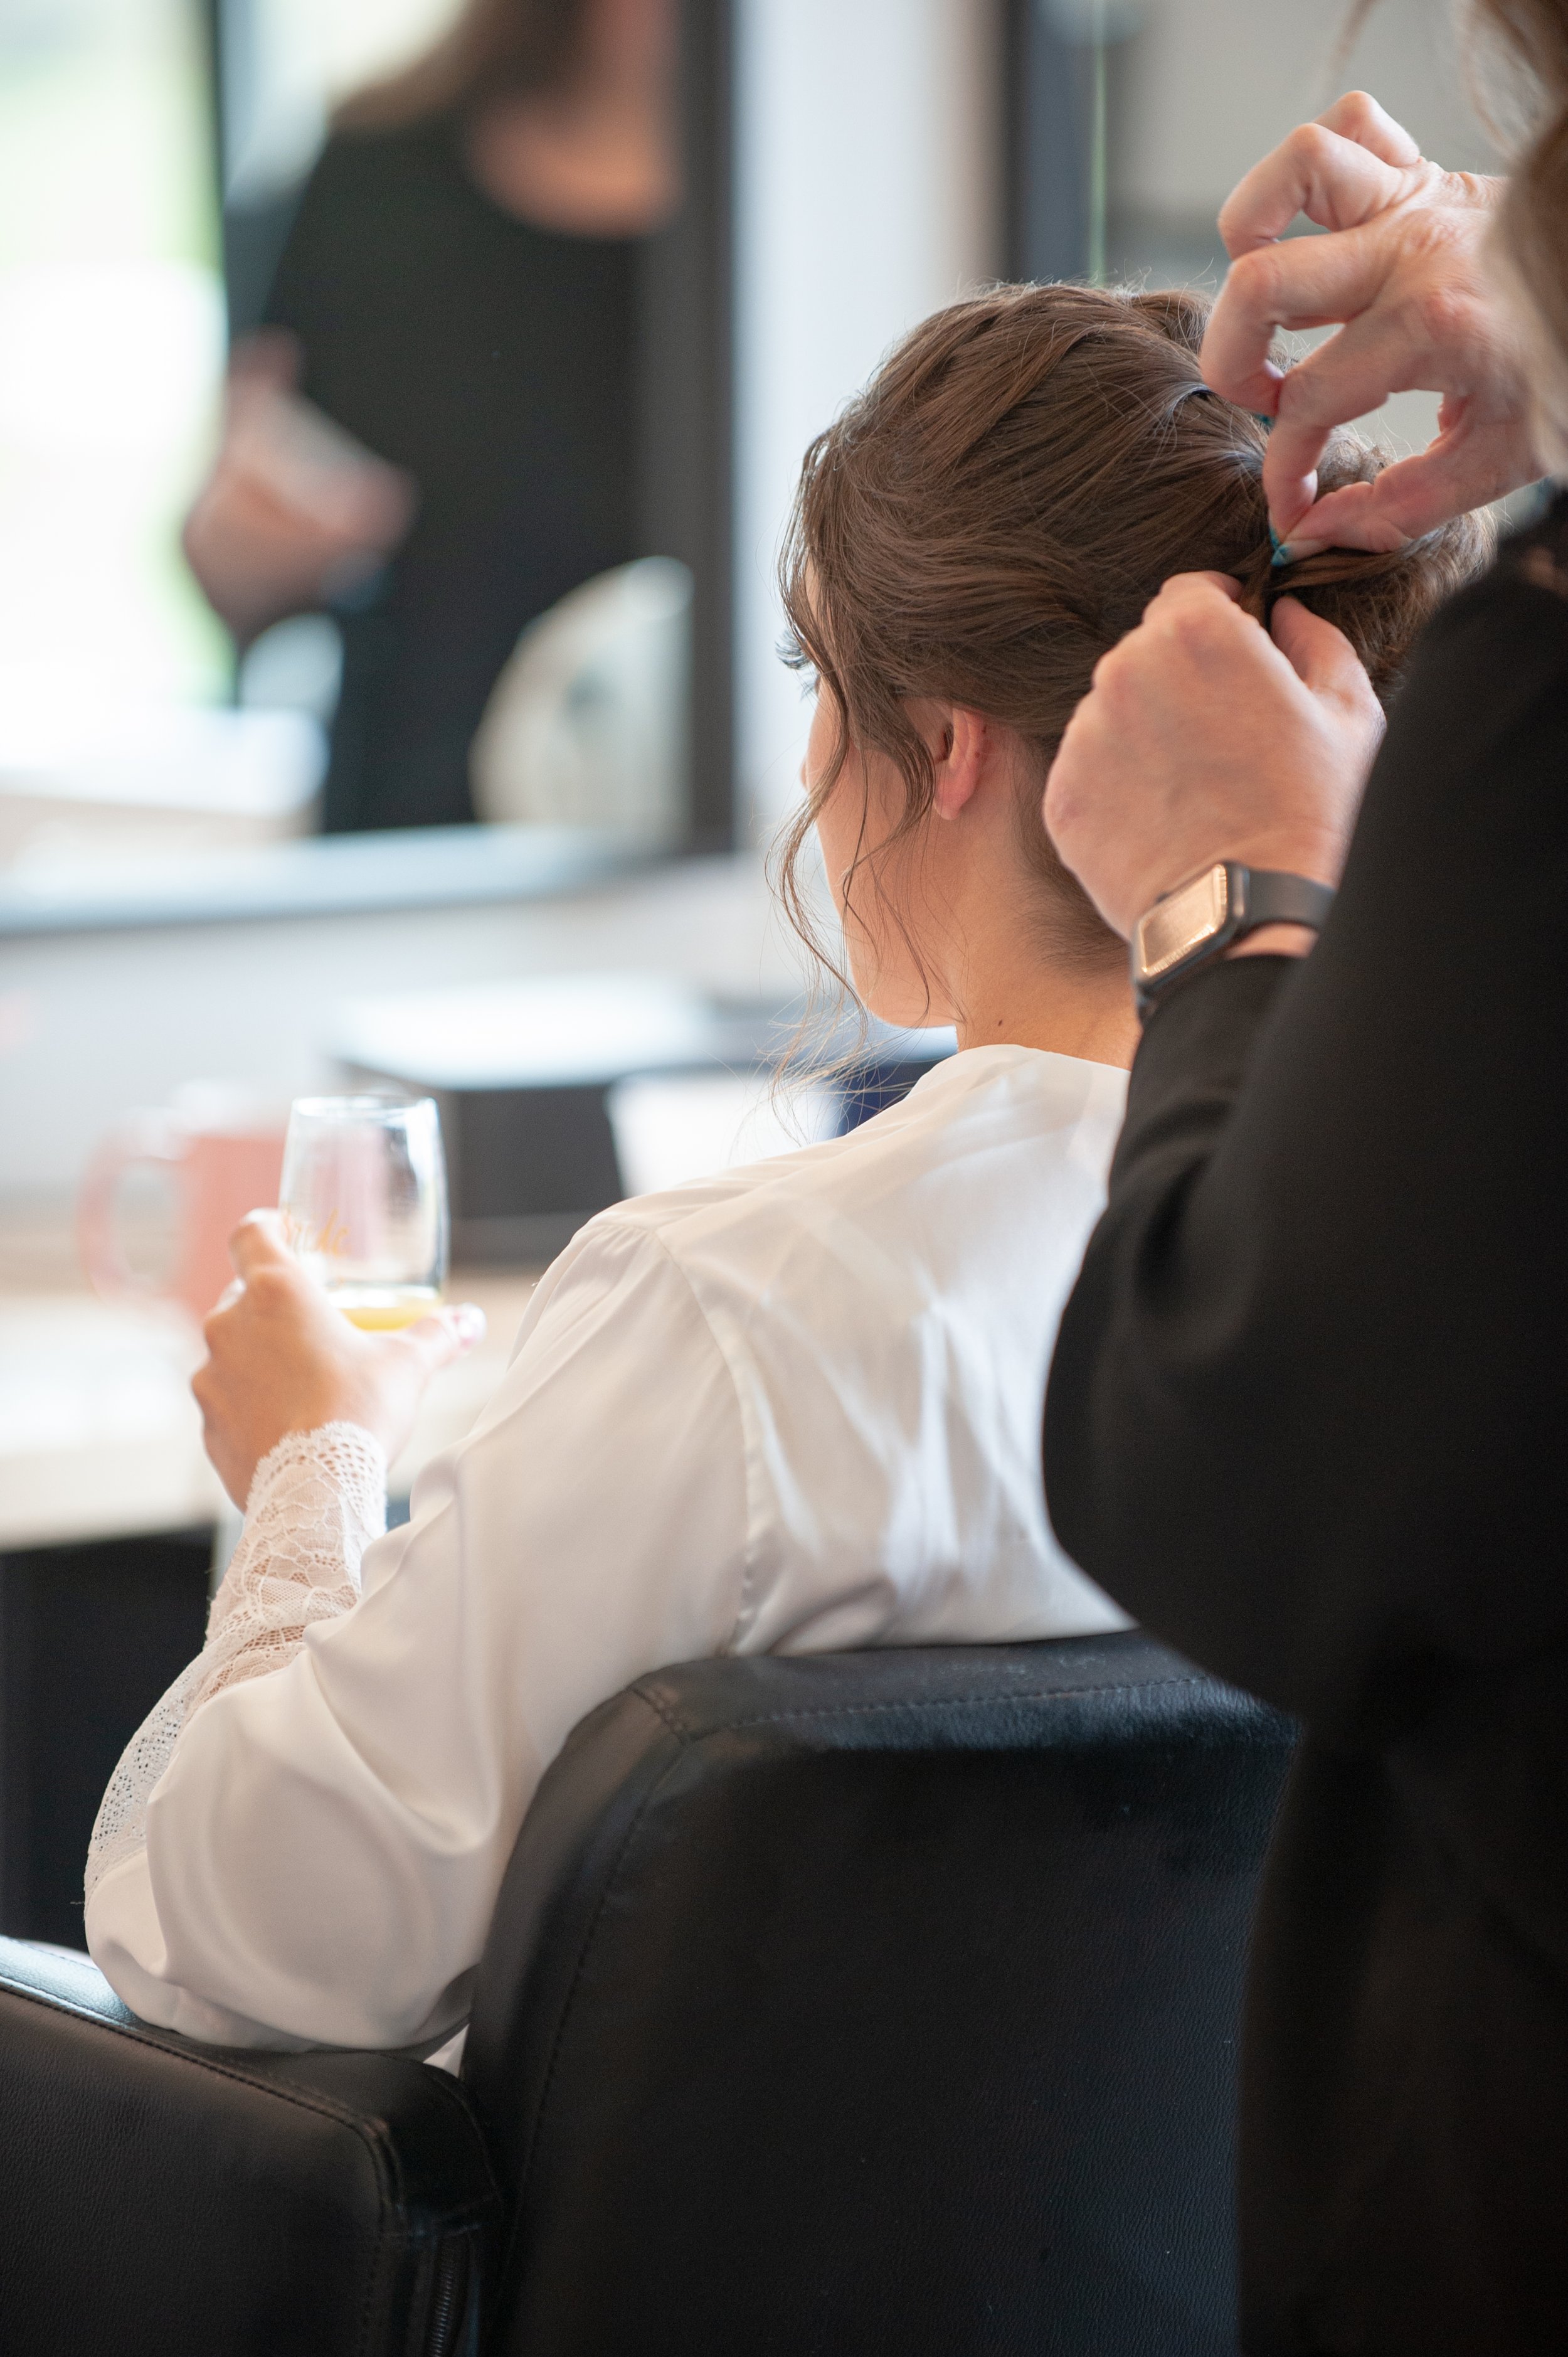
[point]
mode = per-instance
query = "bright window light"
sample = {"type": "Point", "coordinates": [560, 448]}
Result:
{"type": "Point", "coordinates": [111, 352]}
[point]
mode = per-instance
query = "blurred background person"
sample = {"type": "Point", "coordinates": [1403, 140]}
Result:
{"type": "Point", "coordinates": [433, 436]}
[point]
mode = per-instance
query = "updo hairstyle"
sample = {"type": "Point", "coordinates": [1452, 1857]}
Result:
{"type": "Point", "coordinates": [997, 508]}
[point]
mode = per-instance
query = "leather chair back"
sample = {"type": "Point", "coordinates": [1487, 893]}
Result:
{"type": "Point", "coordinates": [879, 2002]}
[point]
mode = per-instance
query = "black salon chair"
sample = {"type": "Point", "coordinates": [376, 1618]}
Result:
{"type": "Point", "coordinates": [885, 2002]}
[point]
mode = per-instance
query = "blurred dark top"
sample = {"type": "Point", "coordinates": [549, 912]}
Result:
{"type": "Point", "coordinates": [495, 362]}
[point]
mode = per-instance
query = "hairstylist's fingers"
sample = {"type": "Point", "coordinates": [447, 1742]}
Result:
{"type": "Point", "coordinates": [1305, 282]}
{"type": "Point", "coordinates": [1346, 377]}
{"type": "Point", "coordinates": [1336, 181]}
{"type": "Point", "coordinates": [1358, 116]}
{"type": "Point", "coordinates": [1357, 368]}
{"type": "Point", "coordinates": [1180, 584]}
{"type": "Point", "coordinates": [258, 1242]}
{"type": "Point", "coordinates": [450, 1334]}
{"type": "Point", "coordinates": [1349, 376]}
{"type": "Point", "coordinates": [1182, 588]}
{"type": "Point", "coordinates": [1328, 665]}
{"type": "Point", "coordinates": [1321, 657]}
{"type": "Point", "coordinates": [1456, 472]}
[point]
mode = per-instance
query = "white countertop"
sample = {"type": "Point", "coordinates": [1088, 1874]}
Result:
{"type": "Point", "coordinates": [100, 1436]}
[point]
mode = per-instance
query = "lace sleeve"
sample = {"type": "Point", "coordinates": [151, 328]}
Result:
{"type": "Point", "coordinates": [316, 1503]}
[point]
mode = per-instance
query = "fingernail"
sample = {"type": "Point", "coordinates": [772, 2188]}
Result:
{"type": "Point", "coordinates": [1293, 552]}
{"type": "Point", "coordinates": [468, 1321]}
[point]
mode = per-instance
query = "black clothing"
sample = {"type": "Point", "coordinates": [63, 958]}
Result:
{"type": "Point", "coordinates": [496, 363]}
{"type": "Point", "coordinates": [1306, 1420]}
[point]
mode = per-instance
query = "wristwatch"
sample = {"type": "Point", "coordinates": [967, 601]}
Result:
{"type": "Point", "coordinates": [1200, 919]}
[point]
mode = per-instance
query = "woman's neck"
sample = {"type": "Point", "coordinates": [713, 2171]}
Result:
{"type": "Point", "coordinates": [1004, 958]}
{"type": "Point", "coordinates": [983, 966]}
{"type": "Point", "coordinates": [1030, 1005]}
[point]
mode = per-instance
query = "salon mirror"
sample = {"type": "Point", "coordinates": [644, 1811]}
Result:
{"type": "Point", "coordinates": [456, 533]}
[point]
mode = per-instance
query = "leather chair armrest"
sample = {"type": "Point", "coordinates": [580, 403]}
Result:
{"type": "Point", "coordinates": [161, 2197]}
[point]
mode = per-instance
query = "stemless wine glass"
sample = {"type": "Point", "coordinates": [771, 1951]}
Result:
{"type": "Point", "coordinates": [364, 1203]}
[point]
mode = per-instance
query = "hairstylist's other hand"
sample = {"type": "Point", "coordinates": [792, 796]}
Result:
{"type": "Point", "coordinates": [295, 509]}
{"type": "Point", "coordinates": [283, 1359]}
{"type": "Point", "coordinates": [1408, 272]}
{"type": "Point", "coordinates": [1204, 738]}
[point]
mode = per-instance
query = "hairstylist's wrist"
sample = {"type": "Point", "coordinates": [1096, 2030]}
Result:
{"type": "Point", "coordinates": [1313, 848]}
{"type": "Point", "coordinates": [1319, 857]}
{"type": "Point", "coordinates": [1315, 853]}
{"type": "Point", "coordinates": [1220, 907]}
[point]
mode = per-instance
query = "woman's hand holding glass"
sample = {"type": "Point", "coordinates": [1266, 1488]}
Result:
{"type": "Point", "coordinates": [284, 1360]}
{"type": "Point", "coordinates": [335, 1316]}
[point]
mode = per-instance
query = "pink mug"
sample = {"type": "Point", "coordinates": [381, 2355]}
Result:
{"type": "Point", "coordinates": [222, 1151]}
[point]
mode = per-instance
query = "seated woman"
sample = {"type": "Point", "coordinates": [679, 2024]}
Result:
{"type": "Point", "coordinates": [791, 1408]}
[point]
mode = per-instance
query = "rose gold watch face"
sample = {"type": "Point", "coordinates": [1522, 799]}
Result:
{"type": "Point", "coordinates": [1182, 922]}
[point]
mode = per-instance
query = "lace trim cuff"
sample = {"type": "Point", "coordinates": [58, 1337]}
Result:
{"type": "Point", "coordinates": [316, 1501]}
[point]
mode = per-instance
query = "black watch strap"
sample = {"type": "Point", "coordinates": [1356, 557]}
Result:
{"type": "Point", "coordinates": [1274, 897]}
{"type": "Point", "coordinates": [1199, 920]}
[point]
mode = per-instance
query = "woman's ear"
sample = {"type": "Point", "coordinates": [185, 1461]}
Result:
{"type": "Point", "coordinates": [962, 749]}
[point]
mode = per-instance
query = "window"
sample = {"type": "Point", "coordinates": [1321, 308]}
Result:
{"type": "Point", "coordinates": [111, 347]}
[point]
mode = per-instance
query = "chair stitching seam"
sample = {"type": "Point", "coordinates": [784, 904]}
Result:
{"type": "Point", "coordinates": [930, 1703]}
{"type": "Point", "coordinates": [980, 1702]}
{"type": "Point", "coordinates": [671, 1719]}
{"type": "Point", "coordinates": [141, 2035]}
{"type": "Point", "coordinates": [371, 2136]}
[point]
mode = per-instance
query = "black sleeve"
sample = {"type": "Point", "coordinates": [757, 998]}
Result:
{"type": "Point", "coordinates": [1306, 1417]}
{"type": "Point", "coordinates": [351, 268]}
{"type": "Point", "coordinates": [298, 296]}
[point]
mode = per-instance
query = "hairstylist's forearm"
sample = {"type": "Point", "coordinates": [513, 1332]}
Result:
{"type": "Point", "coordinates": [1329, 1284]}
{"type": "Point", "coordinates": [1109, 1401]}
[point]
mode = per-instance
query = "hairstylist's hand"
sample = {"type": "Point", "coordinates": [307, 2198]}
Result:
{"type": "Point", "coordinates": [1204, 739]}
{"type": "Point", "coordinates": [1408, 272]}
{"type": "Point", "coordinates": [295, 509]}
{"type": "Point", "coordinates": [283, 1359]}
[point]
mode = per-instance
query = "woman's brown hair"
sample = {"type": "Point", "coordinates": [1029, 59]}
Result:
{"type": "Point", "coordinates": [995, 510]}
{"type": "Point", "coordinates": [496, 48]}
